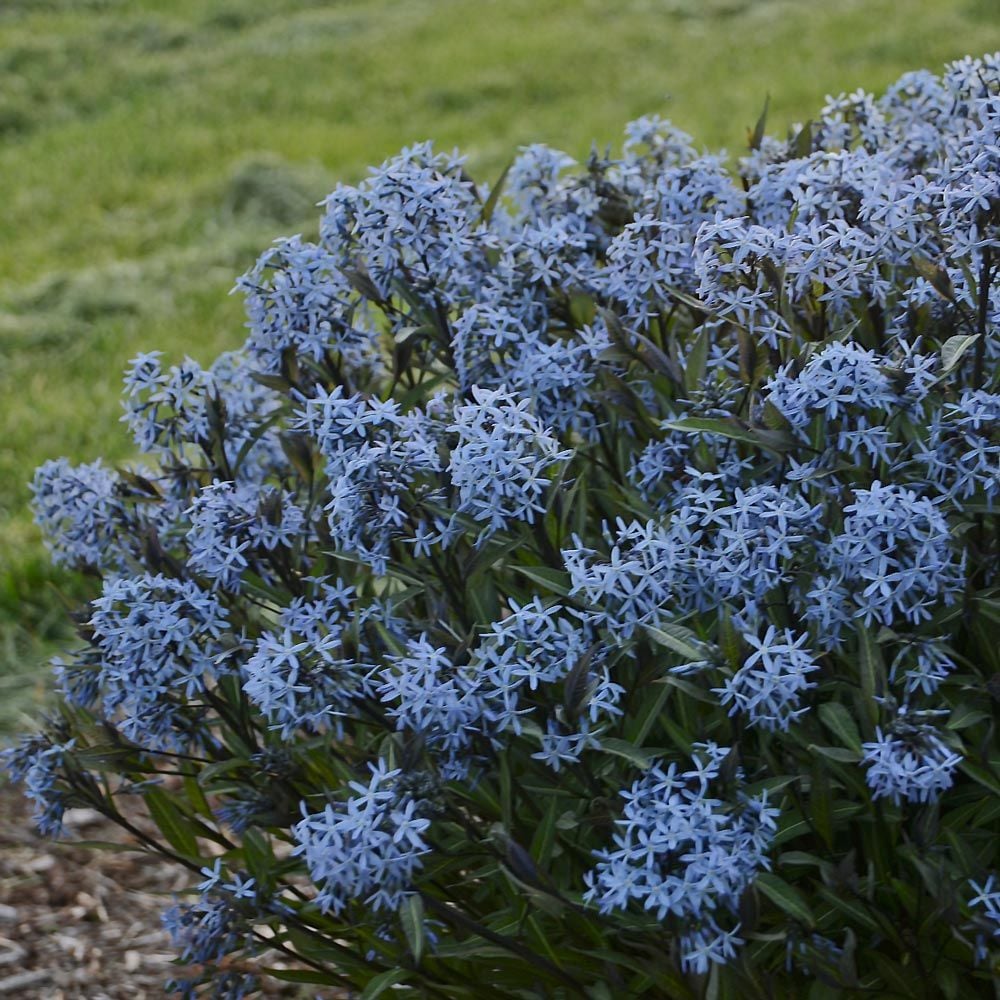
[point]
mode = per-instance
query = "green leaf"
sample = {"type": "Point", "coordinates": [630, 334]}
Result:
{"type": "Point", "coordinates": [641, 348]}
{"type": "Point", "coordinates": [361, 282]}
{"type": "Point", "coordinates": [821, 801]}
{"type": "Point", "coordinates": [936, 275]}
{"type": "Point", "coordinates": [966, 715]}
{"type": "Point", "coordinates": [728, 427]}
{"type": "Point", "coordinates": [556, 580]}
{"type": "Point", "coordinates": [840, 754]}
{"type": "Point", "coordinates": [848, 907]}
{"type": "Point", "coordinates": [258, 432]}
{"type": "Point", "coordinates": [680, 639]}
{"type": "Point", "coordinates": [599, 991]}
{"type": "Point", "coordinates": [773, 784]}
{"type": "Point", "coordinates": [197, 798]}
{"type": "Point", "coordinates": [963, 853]}
{"type": "Point", "coordinates": [801, 858]}
{"type": "Point", "coordinates": [902, 980]}
{"type": "Point", "coordinates": [258, 854]}
{"type": "Point", "coordinates": [982, 811]}
{"type": "Point", "coordinates": [841, 723]}
{"type": "Point", "coordinates": [109, 845]}
{"type": "Point", "coordinates": [792, 825]}
{"type": "Point", "coordinates": [730, 640]}
{"type": "Point", "coordinates": [545, 833]}
{"type": "Point", "coordinates": [542, 898]}
{"type": "Point", "coordinates": [697, 360]}
{"type": "Point", "coordinates": [411, 915]}
{"type": "Point", "coordinates": [109, 757]}
{"type": "Point", "coordinates": [303, 976]}
{"type": "Point", "coordinates": [981, 775]}
{"type": "Point", "coordinates": [803, 140]}
{"type": "Point", "coordinates": [872, 672]}
{"type": "Point", "coordinates": [691, 690]}
{"type": "Point", "coordinates": [489, 206]}
{"type": "Point", "coordinates": [410, 334]}
{"type": "Point", "coordinates": [947, 980]}
{"type": "Point", "coordinates": [953, 349]}
{"type": "Point", "coordinates": [473, 947]}
{"type": "Point", "coordinates": [824, 991]}
{"type": "Point", "coordinates": [577, 686]}
{"type": "Point", "coordinates": [786, 896]}
{"type": "Point", "coordinates": [377, 986]}
{"type": "Point", "coordinates": [747, 348]}
{"type": "Point", "coordinates": [650, 714]}
{"type": "Point", "coordinates": [756, 137]}
{"type": "Point", "coordinates": [634, 755]}
{"type": "Point", "coordinates": [172, 822]}
{"type": "Point", "coordinates": [219, 769]}
{"type": "Point", "coordinates": [506, 793]}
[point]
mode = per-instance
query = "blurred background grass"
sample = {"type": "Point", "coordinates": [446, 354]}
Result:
{"type": "Point", "coordinates": [149, 149]}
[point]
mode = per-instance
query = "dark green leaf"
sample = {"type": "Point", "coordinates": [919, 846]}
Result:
{"type": "Point", "coordinates": [841, 723]}
{"type": "Point", "coordinates": [173, 824]}
{"type": "Point", "coordinates": [872, 672]}
{"type": "Point", "coordinates": [786, 896]}
{"type": "Point", "coordinates": [383, 981]}
{"type": "Point", "coordinates": [303, 976]}
{"type": "Point", "coordinates": [769, 440]}
{"type": "Point", "coordinates": [803, 140]}
{"type": "Point", "coordinates": [489, 206]}
{"type": "Point", "coordinates": [840, 754]}
{"type": "Point", "coordinates": [634, 755]}
{"type": "Point", "coordinates": [411, 915]}
{"type": "Point", "coordinates": [966, 715]}
{"type": "Point", "coordinates": [938, 278]}
{"type": "Point", "coordinates": [697, 359]}
{"type": "Point", "coordinates": [756, 137]}
{"type": "Point", "coordinates": [556, 580]}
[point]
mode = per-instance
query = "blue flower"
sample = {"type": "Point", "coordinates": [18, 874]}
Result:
{"type": "Point", "coordinates": [368, 848]}
{"type": "Point", "coordinates": [504, 457]}
{"type": "Point", "coordinates": [682, 851]}
{"type": "Point", "coordinates": [769, 685]}
{"type": "Point", "coordinates": [37, 763]}
{"type": "Point", "coordinates": [78, 508]}
{"type": "Point", "coordinates": [909, 762]}
{"type": "Point", "coordinates": [428, 694]}
{"type": "Point", "coordinates": [236, 527]}
{"type": "Point", "coordinates": [160, 643]}
{"type": "Point", "coordinates": [894, 554]}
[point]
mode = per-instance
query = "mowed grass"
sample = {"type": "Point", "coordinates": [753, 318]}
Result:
{"type": "Point", "coordinates": [149, 149]}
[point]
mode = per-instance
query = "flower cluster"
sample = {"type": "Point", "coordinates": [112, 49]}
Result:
{"type": "Point", "coordinates": [369, 848]}
{"type": "Point", "coordinates": [682, 851]}
{"type": "Point", "coordinates": [159, 641]}
{"type": "Point", "coordinates": [500, 463]}
{"type": "Point", "coordinates": [631, 523]}
{"type": "Point", "coordinates": [769, 685]}
{"type": "Point", "coordinates": [37, 762]}
{"type": "Point", "coordinates": [230, 522]}
{"type": "Point", "coordinates": [75, 506]}
{"type": "Point", "coordinates": [909, 761]}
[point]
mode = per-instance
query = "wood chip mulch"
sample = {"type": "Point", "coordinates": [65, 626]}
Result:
{"type": "Point", "coordinates": [78, 923]}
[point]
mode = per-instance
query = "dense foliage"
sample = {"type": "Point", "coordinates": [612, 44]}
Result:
{"type": "Point", "coordinates": [585, 588]}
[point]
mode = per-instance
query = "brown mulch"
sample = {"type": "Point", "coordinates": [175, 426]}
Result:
{"type": "Point", "coordinates": [78, 923]}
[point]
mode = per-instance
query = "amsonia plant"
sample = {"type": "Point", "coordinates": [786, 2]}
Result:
{"type": "Point", "coordinates": [587, 587]}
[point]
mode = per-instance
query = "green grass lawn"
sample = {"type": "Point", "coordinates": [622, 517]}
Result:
{"type": "Point", "coordinates": [150, 148]}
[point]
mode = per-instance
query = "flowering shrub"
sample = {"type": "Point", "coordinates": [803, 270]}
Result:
{"type": "Point", "coordinates": [587, 587]}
